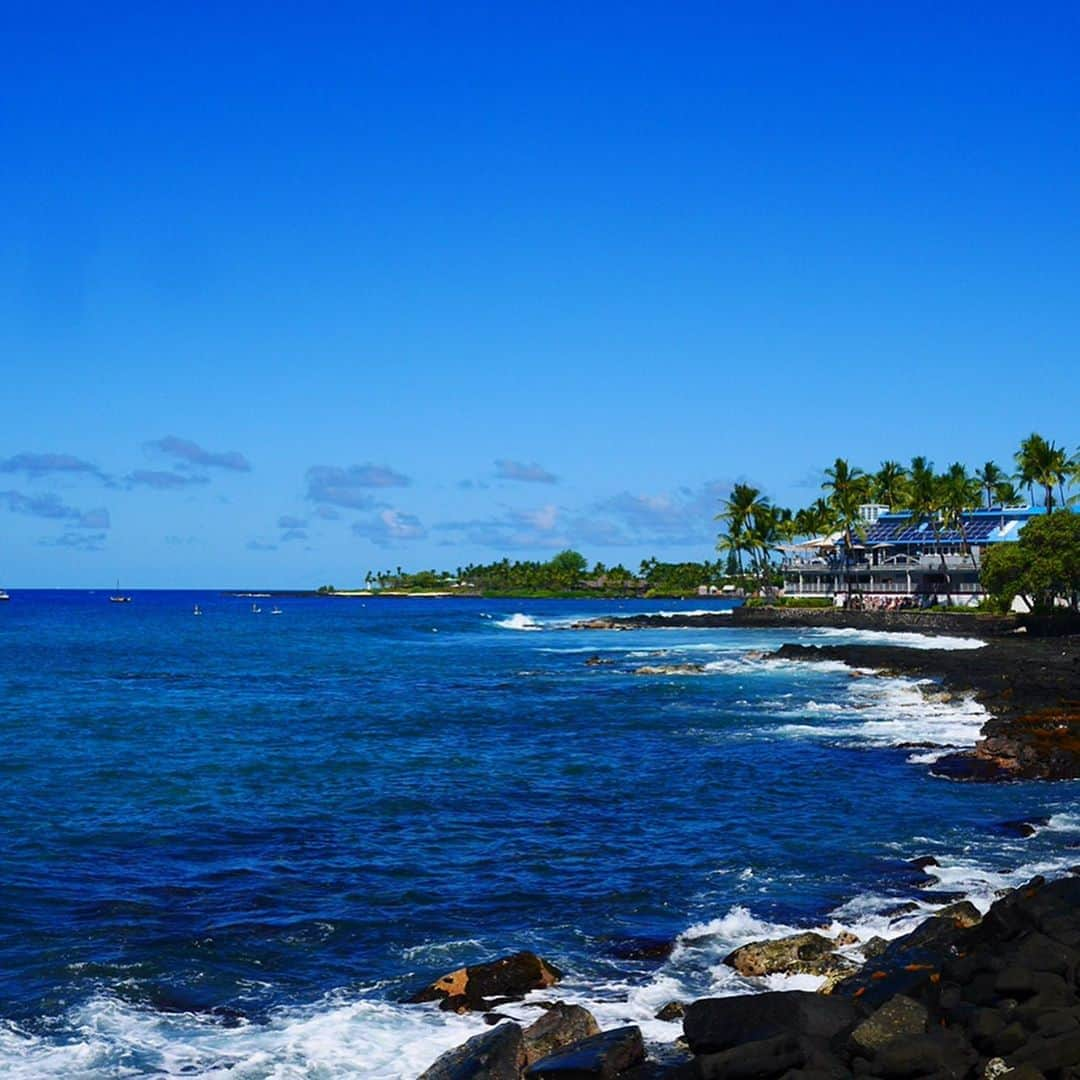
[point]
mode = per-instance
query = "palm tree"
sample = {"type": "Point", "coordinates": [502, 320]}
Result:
{"type": "Point", "coordinates": [1007, 494]}
{"type": "Point", "coordinates": [762, 536]}
{"type": "Point", "coordinates": [817, 519]}
{"type": "Point", "coordinates": [990, 476]}
{"type": "Point", "coordinates": [787, 525]}
{"type": "Point", "coordinates": [924, 502]}
{"type": "Point", "coordinates": [959, 492]}
{"type": "Point", "coordinates": [848, 488]}
{"type": "Point", "coordinates": [889, 483]}
{"type": "Point", "coordinates": [738, 511]}
{"type": "Point", "coordinates": [1043, 464]}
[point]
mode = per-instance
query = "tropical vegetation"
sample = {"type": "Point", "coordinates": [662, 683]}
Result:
{"type": "Point", "coordinates": [755, 530]}
{"type": "Point", "coordinates": [1042, 568]}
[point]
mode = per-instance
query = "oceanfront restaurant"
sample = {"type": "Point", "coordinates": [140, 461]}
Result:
{"type": "Point", "coordinates": [895, 559]}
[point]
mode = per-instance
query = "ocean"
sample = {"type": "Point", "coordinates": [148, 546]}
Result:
{"type": "Point", "coordinates": [232, 844]}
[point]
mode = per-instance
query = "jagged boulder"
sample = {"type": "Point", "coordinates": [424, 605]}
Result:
{"type": "Point", "coordinates": [670, 669]}
{"type": "Point", "coordinates": [941, 1054]}
{"type": "Point", "coordinates": [898, 1017]}
{"type": "Point", "coordinates": [602, 1056]}
{"type": "Point", "coordinates": [481, 987]}
{"type": "Point", "coordinates": [800, 954]}
{"type": "Point", "coordinates": [498, 1054]}
{"type": "Point", "coordinates": [561, 1026]}
{"type": "Point", "coordinates": [712, 1025]}
{"type": "Point", "coordinates": [763, 1058]}
{"type": "Point", "coordinates": [673, 1010]}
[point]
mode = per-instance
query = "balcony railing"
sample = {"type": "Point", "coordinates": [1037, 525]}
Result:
{"type": "Point", "coordinates": [893, 588]}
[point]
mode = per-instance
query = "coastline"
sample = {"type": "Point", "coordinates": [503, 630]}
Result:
{"type": "Point", "coordinates": [965, 992]}
{"type": "Point", "coordinates": [933, 623]}
{"type": "Point", "coordinates": [904, 1004]}
{"type": "Point", "coordinates": [1029, 685]}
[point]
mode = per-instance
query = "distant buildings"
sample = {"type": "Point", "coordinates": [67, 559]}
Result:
{"type": "Point", "coordinates": [896, 560]}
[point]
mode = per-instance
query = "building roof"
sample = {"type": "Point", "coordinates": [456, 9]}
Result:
{"type": "Point", "coordinates": [998, 525]}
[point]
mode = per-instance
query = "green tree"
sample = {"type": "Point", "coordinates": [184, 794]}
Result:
{"type": "Point", "coordinates": [1042, 568]}
{"type": "Point", "coordinates": [1043, 464]}
{"type": "Point", "coordinates": [889, 484]}
{"type": "Point", "coordinates": [848, 487]}
{"type": "Point", "coordinates": [568, 568]}
{"type": "Point", "coordinates": [1006, 493]}
{"type": "Point", "coordinates": [924, 500]}
{"type": "Point", "coordinates": [990, 476]}
{"type": "Point", "coordinates": [737, 512]}
{"type": "Point", "coordinates": [958, 493]}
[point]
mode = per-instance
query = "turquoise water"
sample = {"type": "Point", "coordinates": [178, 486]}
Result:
{"type": "Point", "coordinates": [232, 843]}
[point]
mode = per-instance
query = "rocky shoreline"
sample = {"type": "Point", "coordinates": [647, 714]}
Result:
{"type": "Point", "coordinates": [961, 996]}
{"type": "Point", "coordinates": [1029, 681]}
{"type": "Point", "coordinates": [1030, 686]}
{"type": "Point", "coordinates": [918, 622]}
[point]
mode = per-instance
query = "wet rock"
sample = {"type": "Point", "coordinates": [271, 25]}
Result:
{"type": "Point", "coordinates": [642, 948]}
{"type": "Point", "coordinates": [844, 938]}
{"type": "Point", "coordinates": [898, 1017]}
{"type": "Point", "coordinates": [560, 1026]}
{"type": "Point", "coordinates": [962, 914]}
{"type": "Point", "coordinates": [935, 694]}
{"type": "Point", "coordinates": [900, 910]}
{"type": "Point", "coordinates": [922, 862]}
{"type": "Point", "coordinates": [670, 669]}
{"type": "Point", "coordinates": [873, 947]}
{"type": "Point", "coordinates": [1021, 826]}
{"type": "Point", "coordinates": [942, 1054]}
{"type": "Point", "coordinates": [715, 1024]}
{"type": "Point", "coordinates": [762, 1058]}
{"type": "Point", "coordinates": [498, 1054]}
{"type": "Point", "coordinates": [598, 661]}
{"type": "Point", "coordinates": [602, 1056]}
{"type": "Point", "coordinates": [1008, 1039]}
{"type": "Point", "coordinates": [941, 896]}
{"type": "Point", "coordinates": [673, 1010]}
{"type": "Point", "coordinates": [800, 954]}
{"type": "Point", "coordinates": [482, 987]}
{"type": "Point", "coordinates": [1046, 1054]}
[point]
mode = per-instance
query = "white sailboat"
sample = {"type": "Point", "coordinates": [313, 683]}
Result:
{"type": "Point", "coordinates": [119, 597]}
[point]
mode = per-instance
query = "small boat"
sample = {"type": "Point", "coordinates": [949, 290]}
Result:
{"type": "Point", "coordinates": [197, 611]}
{"type": "Point", "coordinates": [119, 598]}
{"type": "Point", "coordinates": [4, 595]}
{"type": "Point", "coordinates": [255, 609]}
{"type": "Point", "coordinates": [276, 611]}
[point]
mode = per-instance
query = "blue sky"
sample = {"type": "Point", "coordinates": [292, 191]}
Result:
{"type": "Point", "coordinates": [288, 293]}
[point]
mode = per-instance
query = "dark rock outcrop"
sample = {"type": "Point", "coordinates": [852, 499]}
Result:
{"type": "Point", "coordinates": [670, 669]}
{"type": "Point", "coordinates": [958, 997]}
{"type": "Point", "coordinates": [897, 1017]}
{"type": "Point", "coordinates": [602, 1057]}
{"type": "Point", "coordinates": [498, 1054]}
{"type": "Point", "coordinates": [562, 1025]}
{"type": "Point", "coordinates": [1031, 686]}
{"type": "Point", "coordinates": [481, 987]}
{"type": "Point", "coordinates": [673, 1010]}
{"type": "Point", "coordinates": [712, 1025]}
{"type": "Point", "coordinates": [642, 948]}
{"type": "Point", "coordinates": [800, 954]}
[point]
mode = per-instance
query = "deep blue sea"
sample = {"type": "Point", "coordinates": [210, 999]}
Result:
{"type": "Point", "coordinates": [230, 844]}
